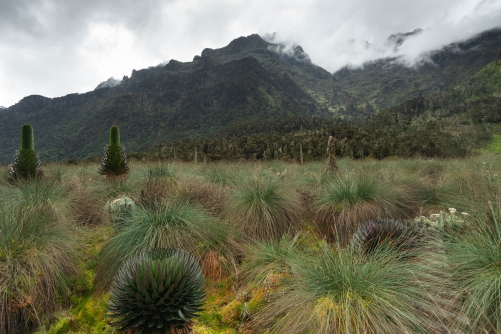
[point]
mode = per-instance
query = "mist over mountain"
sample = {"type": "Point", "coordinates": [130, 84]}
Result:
{"type": "Point", "coordinates": [389, 81]}
{"type": "Point", "coordinates": [251, 79]}
{"type": "Point", "coordinates": [111, 82]}
{"type": "Point", "coordinates": [399, 38]}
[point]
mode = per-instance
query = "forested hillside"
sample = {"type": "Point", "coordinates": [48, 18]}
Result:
{"type": "Point", "coordinates": [451, 123]}
{"type": "Point", "coordinates": [250, 84]}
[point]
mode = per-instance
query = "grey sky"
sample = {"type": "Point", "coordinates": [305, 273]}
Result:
{"type": "Point", "coordinates": [57, 47]}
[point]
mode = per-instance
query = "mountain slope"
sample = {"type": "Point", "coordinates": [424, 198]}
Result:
{"type": "Point", "coordinates": [242, 81]}
{"type": "Point", "coordinates": [249, 80]}
{"type": "Point", "coordinates": [451, 123]}
{"type": "Point", "coordinates": [387, 82]}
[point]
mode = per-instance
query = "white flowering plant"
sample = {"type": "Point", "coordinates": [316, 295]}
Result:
{"type": "Point", "coordinates": [444, 220]}
{"type": "Point", "coordinates": [120, 209]}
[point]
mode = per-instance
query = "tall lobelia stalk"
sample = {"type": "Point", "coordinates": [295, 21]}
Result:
{"type": "Point", "coordinates": [114, 161]}
{"type": "Point", "coordinates": [26, 164]}
{"type": "Point", "coordinates": [331, 153]}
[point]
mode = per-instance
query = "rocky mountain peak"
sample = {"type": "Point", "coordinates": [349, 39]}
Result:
{"type": "Point", "coordinates": [237, 46]}
{"type": "Point", "coordinates": [399, 38]}
{"type": "Point", "coordinates": [111, 82]}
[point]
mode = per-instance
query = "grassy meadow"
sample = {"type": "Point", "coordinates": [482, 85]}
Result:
{"type": "Point", "coordinates": [283, 246]}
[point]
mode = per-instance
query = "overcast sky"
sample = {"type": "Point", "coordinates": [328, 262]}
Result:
{"type": "Point", "coordinates": [57, 47]}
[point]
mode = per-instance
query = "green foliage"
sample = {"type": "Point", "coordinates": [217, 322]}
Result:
{"type": "Point", "coordinates": [114, 161]}
{"type": "Point", "coordinates": [475, 259]}
{"type": "Point", "coordinates": [340, 291]}
{"type": "Point", "coordinates": [156, 292]}
{"type": "Point", "coordinates": [375, 234]}
{"type": "Point", "coordinates": [38, 255]}
{"type": "Point", "coordinates": [114, 136]}
{"type": "Point", "coordinates": [269, 257]}
{"type": "Point", "coordinates": [166, 225]}
{"type": "Point", "coordinates": [494, 146]}
{"type": "Point", "coordinates": [264, 209]}
{"type": "Point", "coordinates": [249, 84]}
{"type": "Point", "coordinates": [448, 282]}
{"type": "Point", "coordinates": [490, 77]}
{"type": "Point", "coordinates": [351, 199]}
{"type": "Point", "coordinates": [27, 140]}
{"type": "Point", "coordinates": [26, 164]}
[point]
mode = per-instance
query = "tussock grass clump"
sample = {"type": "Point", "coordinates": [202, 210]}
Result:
{"type": "Point", "coordinates": [52, 196]}
{"type": "Point", "coordinates": [269, 257]}
{"type": "Point", "coordinates": [475, 261]}
{"type": "Point", "coordinates": [167, 225]}
{"type": "Point", "coordinates": [114, 188]}
{"type": "Point", "coordinates": [211, 196]}
{"type": "Point", "coordinates": [87, 206]}
{"type": "Point", "coordinates": [222, 174]}
{"type": "Point", "coordinates": [38, 253]}
{"type": "Point", "coordinates": [352, 199]}
{"type": "Point", "coordinates": [474, 184]}
{"type": "Point", "coordinates": [342, 291]}
{"type": "Point", "coordinates": [264, 209]}
{"type": "Point", "coordinates": [158, 185]}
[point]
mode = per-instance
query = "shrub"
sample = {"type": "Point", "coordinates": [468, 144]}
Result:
{"type": "Point", "coordinates": [52, 196]}
{"type": "Point", "coordinates": [26, 164]}
{"type": "Point", "coordinates": [114, 161]}
{"type": "Point", "coordinates": [158, 291]}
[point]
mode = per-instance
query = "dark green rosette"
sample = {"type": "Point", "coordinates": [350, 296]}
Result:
{"type": "Point", "coordinates": [159, 291]}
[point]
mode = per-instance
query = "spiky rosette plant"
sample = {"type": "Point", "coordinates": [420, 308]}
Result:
{"type": "Point", "coordinates": [114, 161]}
{"type": "Point", "coordinates": [158, 291]}
{"type": "Point", "coordinates": [385, 233]}
{"type": "Point", "coordinates": [26, 164]}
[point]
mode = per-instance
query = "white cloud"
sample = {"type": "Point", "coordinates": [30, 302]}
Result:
{"type": "Point", "coordinates": [57, 47]}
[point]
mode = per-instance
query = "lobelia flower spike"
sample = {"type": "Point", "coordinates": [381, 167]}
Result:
{"type": "Point", "coordinates": [331, 153]}
{"type": "Point", "coordinates": [26, 164]}
{"type": "Point", "coordinates": [114, 161]}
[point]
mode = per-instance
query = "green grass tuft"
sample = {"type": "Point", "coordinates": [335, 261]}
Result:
{"type": "Point", "coordinates": [475, 260]}
{"type": "Point", "coordinates": [167, 225]}
{"type": "Point", "coordinates": [340, 291]}
{"type": "Point", "coordinates": [264, 209]}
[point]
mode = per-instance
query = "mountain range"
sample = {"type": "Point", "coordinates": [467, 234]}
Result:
{"type": "Point", "coordinates": [248, 81]}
